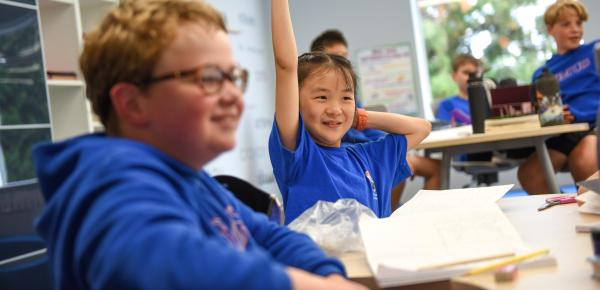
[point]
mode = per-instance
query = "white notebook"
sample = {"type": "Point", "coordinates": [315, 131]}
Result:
{"type": "Point", "coordinates": [440, 234]}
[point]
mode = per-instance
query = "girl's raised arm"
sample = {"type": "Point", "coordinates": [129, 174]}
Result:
{"type": "Point", "coordinates": [287, 105]}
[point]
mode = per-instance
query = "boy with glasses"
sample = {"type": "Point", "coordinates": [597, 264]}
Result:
{"type": "Point", "coordinates": [132, 208]}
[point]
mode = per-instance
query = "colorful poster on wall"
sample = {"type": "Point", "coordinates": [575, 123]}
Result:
{"type": "Point", "coordinates": [387, 79]}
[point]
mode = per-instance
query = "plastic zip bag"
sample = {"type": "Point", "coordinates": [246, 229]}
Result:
{"type": "Point", "coordinates": [334, 226]}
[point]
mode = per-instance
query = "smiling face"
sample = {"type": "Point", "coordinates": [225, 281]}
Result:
{"type": "Point", "coordinates": [327, 106]}
{"type": "Point", "coordinates": [183, 120]}
{"type": "Point", "coordinates": [567, 30]}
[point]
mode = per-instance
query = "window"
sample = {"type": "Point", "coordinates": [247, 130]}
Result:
{"type": "Point", "coordinates": [24, 116]}
{"type": "Point", "coordinates": [508, 36]}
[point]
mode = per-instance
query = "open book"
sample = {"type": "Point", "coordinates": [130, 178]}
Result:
{"type": "Point", "coordinates": [440, 234]}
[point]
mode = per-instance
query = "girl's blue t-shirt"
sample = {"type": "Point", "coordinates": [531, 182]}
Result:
{"type": "Point", "coordinates": [365, 172]}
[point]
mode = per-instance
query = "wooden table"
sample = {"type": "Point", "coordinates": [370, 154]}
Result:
{"type": "Point", "coordinates": [516, 137]}
{"type": "Point", "coordinates": [553, 228]}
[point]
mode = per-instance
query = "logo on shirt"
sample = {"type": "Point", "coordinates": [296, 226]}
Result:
{"type": "Point", "coordinates": [573, 69]}
{"type": "Point", "coordinates": [236, 233]}
{"type": "Point", "coordinates": [373, 188]}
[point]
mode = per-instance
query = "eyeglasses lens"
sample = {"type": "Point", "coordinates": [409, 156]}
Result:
{"type": "Point", "coordinates": [211, 78]}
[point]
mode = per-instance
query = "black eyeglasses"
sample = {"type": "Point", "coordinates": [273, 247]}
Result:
{"type": "Point", "coordinates": [210, 78]}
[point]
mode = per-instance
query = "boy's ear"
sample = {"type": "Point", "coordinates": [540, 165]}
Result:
{"type": "Point", "coordinates": [126, 100]}
{"type": "Point", "coordinates": [549, 29]}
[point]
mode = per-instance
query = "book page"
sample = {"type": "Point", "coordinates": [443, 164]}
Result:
{"type": "Point", "coordinates": [591, 202]}
{"type": "Point", "coordinates": [435, 239]}
{"type": "Point", "coordinates": [592, 185]}
{"type": "Point", "coordinates": [436, 200]}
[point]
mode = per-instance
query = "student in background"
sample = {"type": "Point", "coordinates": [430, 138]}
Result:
{"type": "Point", "coordinates": [132, 208]}
{"type": "Point", "coordinates": [455, 109]}
{"type": "Point", "coordinates": [333, 41]}
{"type": "Point", "coordinates": [314, 108]}
{"type": "Point", "coordinates": [573, 66]}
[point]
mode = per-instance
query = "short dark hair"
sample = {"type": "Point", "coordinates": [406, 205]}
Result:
{"type": "Point", "coordinates": [327, 38]}
{"type": "Point", "coordinates": [461, 59]}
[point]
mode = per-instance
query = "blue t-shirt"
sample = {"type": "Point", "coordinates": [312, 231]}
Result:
{"type": "Point", "coordinates": [454, 109]}
{"type": "Point", "coordinates": [365, 172]}
{"type": "Point", "coordinates": [123, 215]}
{"type": "Point", "coordinates": [579, 81]}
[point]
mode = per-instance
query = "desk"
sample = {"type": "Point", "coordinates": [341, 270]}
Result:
{"type": "Point", "coordinates": [553, 228]}
{"type": "Point", "coordinates": [519, 138]}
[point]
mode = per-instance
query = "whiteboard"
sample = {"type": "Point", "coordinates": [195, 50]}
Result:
{"type": "Point", "coordinates": [248, 22]}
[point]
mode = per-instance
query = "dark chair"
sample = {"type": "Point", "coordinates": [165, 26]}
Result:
{"type": "Point", "coordinates": [29, 268]}
{"type": "Point", "coordinates": [253, 197]}
{"type": "Point", "coordinates": [23, 259]}
{"type": "Point", "coordinates": [485, 172]}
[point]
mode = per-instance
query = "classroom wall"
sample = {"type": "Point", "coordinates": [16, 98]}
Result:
{"type": "Point", "coordinates": [249, 23]}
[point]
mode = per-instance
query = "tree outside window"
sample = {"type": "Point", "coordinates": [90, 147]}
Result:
{"type": "Point", "coordinates": [508, 36]}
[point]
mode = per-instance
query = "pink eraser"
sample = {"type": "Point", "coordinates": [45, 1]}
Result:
{"type": "Point", "coordinates": [506, 273]}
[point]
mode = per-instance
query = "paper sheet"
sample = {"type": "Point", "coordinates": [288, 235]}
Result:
{"type": "Point", "coordinates": [593, 185]}
{"type": "Point", "coordinates": [591, 202]}
{"type": "Point", "coordinates": [438, 229]}
{"type": "Point", "coordinates": [436, 200]}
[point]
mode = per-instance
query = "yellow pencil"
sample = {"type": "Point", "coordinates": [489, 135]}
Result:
{"type": "Point", "coordinates": [508, 261]}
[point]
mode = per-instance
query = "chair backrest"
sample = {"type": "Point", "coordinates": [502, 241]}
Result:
{"type": "Point", "coordinates": [20, 203]}
{"type": "Point", "coordinates": [23, 260]}
{"type": "Point", "coordinates": [30, 269]}
{"type": "Point", "coordinates": [255, 198]}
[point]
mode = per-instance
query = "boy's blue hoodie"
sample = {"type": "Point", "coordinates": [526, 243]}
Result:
{"type": "Point", "coordinates": [122, 215]}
